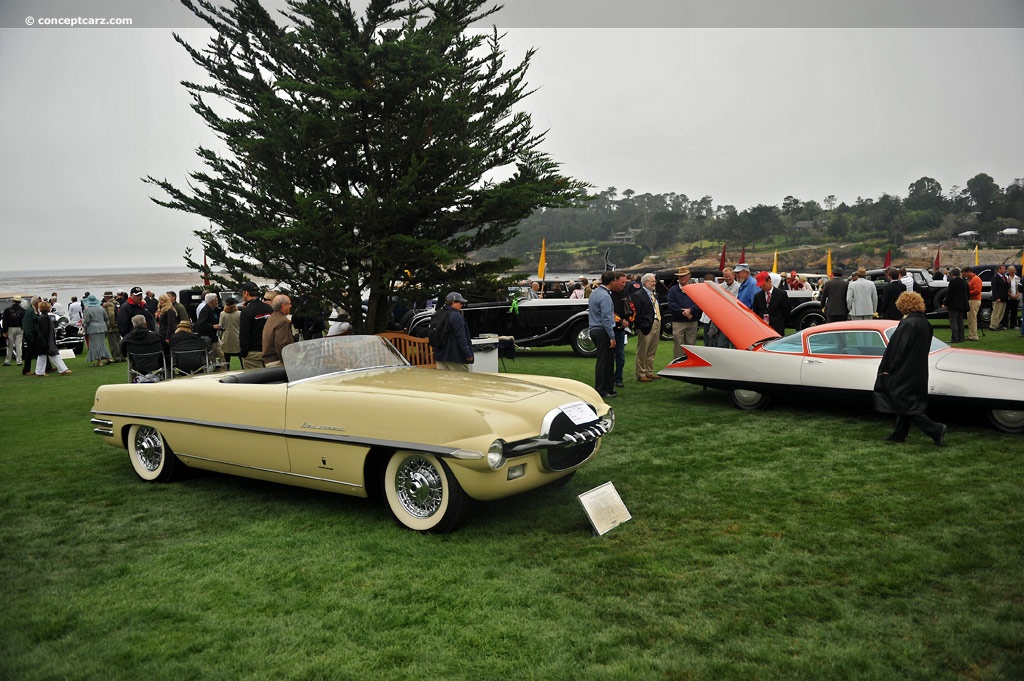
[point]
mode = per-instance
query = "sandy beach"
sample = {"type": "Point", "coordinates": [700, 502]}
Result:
{"type": "Point", "coordinates": [69, 283]}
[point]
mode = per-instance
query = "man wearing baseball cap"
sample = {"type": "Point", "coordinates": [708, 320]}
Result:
{"type": "Point", "coordinates": [771, 303]}
{"type": "Point", "coordinates": [134, 305]}
{"type": "Point", "coordinates": [748, 289]}
{"type": "Point", "coordinates": [253, 318]}
{"type": "Point", "coordinates": [456, 353]}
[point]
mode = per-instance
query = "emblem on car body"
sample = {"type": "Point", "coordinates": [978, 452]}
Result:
{"type": "Point", "coordinates": [307, 424]}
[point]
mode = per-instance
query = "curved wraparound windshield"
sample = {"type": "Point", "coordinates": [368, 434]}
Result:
{"type": "Point", "coordinates": [321, 356]}
{"type": "Point", "coordinates": [936, 343]}
{"type": "Point", "coordinates": [791, 344]}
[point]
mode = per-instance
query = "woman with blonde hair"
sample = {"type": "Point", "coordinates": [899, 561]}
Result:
{"type": "Point", "coordinates": [901, 387]}
{"type": "Point", "coordinates": [166, 317]}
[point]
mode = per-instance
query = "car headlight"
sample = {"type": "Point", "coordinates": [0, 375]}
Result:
{"type": "Point", "coordinates": [496, 454]}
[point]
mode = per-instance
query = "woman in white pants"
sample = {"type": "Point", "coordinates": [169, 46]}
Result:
{"type": "Point", "coordinates": [46, 343]}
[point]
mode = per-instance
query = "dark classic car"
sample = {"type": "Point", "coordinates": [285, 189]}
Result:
{"type": "Point", "coordinates": [533, 323]}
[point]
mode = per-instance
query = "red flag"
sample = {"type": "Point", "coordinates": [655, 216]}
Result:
{"type": "Point", "coordinates": [206, 279]}
{"type": "Point", "coordinates": [937, 251]}
{"type": "Point", "coordinates": [743, 255]}
{"type": "Point", "coordinates": [888, 258]}
{"type": "Point", "coordinates": [721, 261]}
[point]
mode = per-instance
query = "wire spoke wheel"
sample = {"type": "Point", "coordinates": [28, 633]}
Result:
{"type": "Point", "coordinates": [422, 493]}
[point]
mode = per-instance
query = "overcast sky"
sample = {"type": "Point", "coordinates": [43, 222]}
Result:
{"type": "Point", "coordinates": [745, 115]}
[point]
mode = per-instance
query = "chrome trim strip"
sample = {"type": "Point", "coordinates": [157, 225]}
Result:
{"type": "Point", "coordinates": [295, 434]}
{"type": "Point", "coordinates": [102, 422]}
{"type": "Point", "coordinates": [271, 470]}
{"type": "Point", "coordinates": [101, 431]}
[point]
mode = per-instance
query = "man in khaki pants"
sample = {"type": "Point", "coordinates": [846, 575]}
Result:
{"type": "Point", "coordinates": [973, 303]}
{"type": "Point", "coordinates": [648, 323]}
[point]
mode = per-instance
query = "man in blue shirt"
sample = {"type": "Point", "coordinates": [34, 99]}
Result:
{"type": "Point", "coordinates": [748, 289]}
{"type": "Point", "coordinates": [601, 319]}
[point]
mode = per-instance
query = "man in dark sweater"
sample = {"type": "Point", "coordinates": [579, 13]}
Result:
{"type": "Point", "coordinates": [253, 318]}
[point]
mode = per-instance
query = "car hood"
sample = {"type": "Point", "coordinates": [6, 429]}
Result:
{"type": "Point", "coordinates": [743, 328]}
{"type": "Point", "coordinates": [442, 386]}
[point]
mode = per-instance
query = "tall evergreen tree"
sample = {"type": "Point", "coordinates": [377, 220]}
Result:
{"type": "Point", "coordinates": [360, 150]}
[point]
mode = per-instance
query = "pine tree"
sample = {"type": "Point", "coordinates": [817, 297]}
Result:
{"type": "Point", "coordinates": [363, 154]}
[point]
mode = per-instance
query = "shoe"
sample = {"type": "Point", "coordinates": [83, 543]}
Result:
{"type": "Point", "coordinates": [972, 339]}
{"type": "Point", "coordinates": [645, 379]}
{"type": "Point", "coordinates": [65, 373]}
{"type": "Point", "coordinates": [7, 364]}
{"type": "Point", "coordinates": [893, 438]}
{"type": "Point", "coordinates": [940, 439]}
{"type": "Point", "coordinates": [611, 394]}
{"type": "Point", "coordinates": [620, 384]}
{"type": "Point", "coordinates": [654, 377]}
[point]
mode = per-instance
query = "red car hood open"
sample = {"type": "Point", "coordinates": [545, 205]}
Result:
{"type": "Point", "coordinates": [743, 328]}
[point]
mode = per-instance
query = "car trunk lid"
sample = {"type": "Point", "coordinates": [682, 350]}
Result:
{"type": "Point", "coordinates": [743, 328]}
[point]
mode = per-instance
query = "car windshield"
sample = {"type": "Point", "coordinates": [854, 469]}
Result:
{"type": "Point", "coordinates": [792, 344]}
{"type": "Point", "coordinates": [936, 343]}
{"type": "Point", "coordinates": [322, 356]}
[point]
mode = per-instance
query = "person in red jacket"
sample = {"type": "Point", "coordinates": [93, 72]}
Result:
{"type": "Point", "coordinates": [974, 303]}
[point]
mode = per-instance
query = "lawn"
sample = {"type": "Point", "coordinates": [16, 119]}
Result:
{"type": "Point", "coordinates": [782, 544]}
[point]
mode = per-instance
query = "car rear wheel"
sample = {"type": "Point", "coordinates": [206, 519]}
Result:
{"type": "Point", "coordinates": [984, 317]}
{"type": "Point", "coordinates": [748, 400]}
{"type": "Point", "coordinates": [422, 493]}
{"type": "Point", "coordinates": [1007, 420]}
{"type": "Point", "coordinates": [809, 319]}
{"type": "Point", "coordinates": [151, 458]}
{"type": "Point", "coordinates": [666, 330]}
{"type": "Point", "coordinates": [582, 344]}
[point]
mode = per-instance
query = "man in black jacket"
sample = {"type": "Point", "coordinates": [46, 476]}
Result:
{"type": "Point", "coordinates": [648, 326]}
{"type": "Point", "coordinates": [890, 294]}
{"type": "Point", "coordinates": [956, 305]}
{"type": "Point", "coordinates": [253, 318]}
{"type": "Point", "coordinates": [1000, 294]}
{"type": "Point", "coordinates": [771, 304]}
{"type": "Point", "coordinates": [132, 306]}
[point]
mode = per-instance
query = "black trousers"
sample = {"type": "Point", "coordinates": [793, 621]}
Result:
{"type": "Point", "coordinates": [927, 426]}
{"type": "Point", "coordinates": [956, 326]}
{"type": "Point", "coordinates": [605, 366]}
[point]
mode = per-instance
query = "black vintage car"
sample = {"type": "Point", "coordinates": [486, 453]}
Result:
{"type": "Point", "coordinates": [532, 323]}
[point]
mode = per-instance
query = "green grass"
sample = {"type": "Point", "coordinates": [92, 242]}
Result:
{"type": "Point", "coordinates": [789, 543]}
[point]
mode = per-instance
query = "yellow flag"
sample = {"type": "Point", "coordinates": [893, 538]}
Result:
{"type": "Point", "coordinates": [828, 264]}
{"type": "Point", "coordinates": [775, 263]}
{"type": "Point", "coordinates": [976, 263]}
{"type": "Point", "coordinates": [542, 265]}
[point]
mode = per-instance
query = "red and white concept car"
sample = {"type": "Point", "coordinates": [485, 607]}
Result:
{"type": "Point", "coordinates": [839, 360]}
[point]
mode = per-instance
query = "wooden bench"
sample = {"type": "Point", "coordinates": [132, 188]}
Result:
{"type": "Point", "coordinates": [416, 350]}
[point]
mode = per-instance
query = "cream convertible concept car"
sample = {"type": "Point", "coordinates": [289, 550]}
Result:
{"type": "Point", "coordinates": [349, 414]}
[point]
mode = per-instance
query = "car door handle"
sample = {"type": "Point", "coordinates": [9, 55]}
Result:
{"type": "Point", "coordinates": [814, 361]}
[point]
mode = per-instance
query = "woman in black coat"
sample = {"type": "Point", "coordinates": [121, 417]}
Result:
{"type": "Point", "coordinates": [901, 387]}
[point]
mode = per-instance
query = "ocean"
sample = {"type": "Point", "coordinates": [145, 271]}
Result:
{"type": "Point", "coordinates": [69, 283]}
